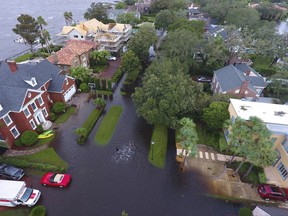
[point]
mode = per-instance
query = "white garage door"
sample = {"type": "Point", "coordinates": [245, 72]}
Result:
{"type": "Point", "coordinates": [69, 93]}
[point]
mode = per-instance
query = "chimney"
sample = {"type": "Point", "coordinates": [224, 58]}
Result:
{"type": "Point", "coordinates": [248, 73]}
{"type": "Point", "coordinates": [55, 58]}
{"type": "Point", "coordinates": [12, 65]}
{"type": "Point", "coordinates": [244, 87]}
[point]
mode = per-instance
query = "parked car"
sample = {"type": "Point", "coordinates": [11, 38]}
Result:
{"type": "Point", "coordinates": [56, 179]}
{"type": "Point", "coordinates": [203, 79]}
{"type": "Point", "coordinates": [11, 172]}
{"type": "Point", "coordinates": [272, 192]}
{"type": "Point", "coordinates": [111, 58]}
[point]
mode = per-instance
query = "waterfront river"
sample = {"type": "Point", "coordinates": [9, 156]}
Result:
{"type": "Point", "coordinates": [51, 10]}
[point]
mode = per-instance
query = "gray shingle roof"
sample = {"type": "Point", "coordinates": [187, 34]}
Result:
{"type": "Point", "coordinates": [231, 77]}
{"type": "Point", "coordinates": [13, 86]}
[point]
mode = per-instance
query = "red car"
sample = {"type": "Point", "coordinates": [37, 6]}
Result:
{"type": "Point", "coordinates": [272, 192]}
{"type": "Point", "coordinates": [56, 179]}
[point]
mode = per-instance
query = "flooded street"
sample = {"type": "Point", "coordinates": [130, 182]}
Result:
{"type": "Point", "coordinates": [102, 186]}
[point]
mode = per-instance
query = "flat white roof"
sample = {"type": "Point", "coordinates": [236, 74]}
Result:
{"type": "Point", "coordinates": [268, 113]}
{"type": "Point", "coordinates": [9, 189]}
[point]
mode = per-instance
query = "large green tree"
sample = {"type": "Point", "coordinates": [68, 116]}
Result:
{"type": "Point", "coordinates": [167, 93]}
{"type": "Point", "coordinates": [80, 73]}
{"type": "Point", "coordinates": [131, 65]}
{"type": "Point", "coordinates": [27, 28]}
{"type": "Point", "coordinates": [252, 140]}
{"type": "Point", "coordinates": [140, 43]}
{"type": "Point", "coordinates": [163, 19]}
{"type": "Point", "coordinates": [97, 11]}
{"type": "Point", "coordinates": [188, 137]}
{"type": "Point", "coordinates": [216, 114]}
{"type": "Point", "coordinates": [68, 16]}
{"type": "Point", "coordinates": [243, 17]}
{"type": "Point", "coordinates": [128, 18]}
{"type": "Point", "coordinates": [158, 5]}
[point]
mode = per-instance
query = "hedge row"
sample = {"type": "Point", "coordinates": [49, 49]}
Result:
{"type": "Point", "coordinates": [100, 84]}
{"type": "Point", "coordinates": [92, 119]}
{"type": "Point", "coordinates": [33, 165]}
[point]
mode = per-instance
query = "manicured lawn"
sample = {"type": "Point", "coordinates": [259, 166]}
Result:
{"type": "Point", "coordinates": [160, 138]}
{"type": "Point", "coordinates": [92, 119]}
{"type": "Point", "coordinates": [65, 116]}
{"type": "Point", "coordinates": [102, 92]}
{"type": "Point", "coordinates": [45, 140]}
{"type": "Point", "coordinates": [46, 160]}
{"type": "Point", "coordinates": [24, 57]}
{"type": "Point", "coordinates": [108, 125]}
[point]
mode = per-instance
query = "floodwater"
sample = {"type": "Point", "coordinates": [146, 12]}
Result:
{"type": "Point", "coordinates": [103, 186]}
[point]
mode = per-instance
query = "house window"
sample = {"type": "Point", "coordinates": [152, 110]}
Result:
{"type": "Point", "coordinates": [233, 120]}
{"type": "Point", "coordinates": [27, 112]}
{"type": "Point", "coordinates": [81, 36]}
{"type": "Point", "coordinates": [32, 124]}
{"type": "Point", "coordinates": [14, 132]}
{"type": "Point", "coordinates": [34, 107]}
{"type": "Point", "coordinates": [227, 135]}
{"type": "Point", "coordinates": [7, 120]}
{"type": "Point", "coordinates": [45, 112]}
{"type": "Point", "coordinates": [33, 81]}
{"type": "Point", "coordinates": [40, 100]}
{"type": "Point", "coordinates": [75, 36]}
{"type": "Point", "coordinates": [282, 171]}
{"type": "Point", "coordinates": [237, 91]}
{"type": "Point", "coordinates": [285, 145]}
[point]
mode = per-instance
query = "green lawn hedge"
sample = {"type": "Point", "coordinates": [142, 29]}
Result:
{"type": "Point", "coordinates": [160, 138]}
{"type": "Point", "coordinates": [65, 116]}
{"type": "Point", "coordinates": [108, 125]}
{"type": "Point", "coordinates": [92, 119]}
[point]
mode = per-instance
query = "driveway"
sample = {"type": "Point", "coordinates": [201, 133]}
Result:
{"type": "Point", "coordinates": [109, 71]}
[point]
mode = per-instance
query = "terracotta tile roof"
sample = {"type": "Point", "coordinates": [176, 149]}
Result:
{"type": "Point", "coordinates": [74, 48]}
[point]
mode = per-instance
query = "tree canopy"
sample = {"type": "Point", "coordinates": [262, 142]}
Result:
{"type": "Point", "coordinates": [128, 18]}
{"type": "Point", "coordinates": [131, 65]}
{"type": "Point", "coordinates": [27, 28]}
{"type": "Point", "coordinates": [158, 5]}
{"type": "Point", "coordinates": [141, 42]}
{"type": "Point", "coordinates": [216, 114]}
{"type": "Point", "coordinates": [97, 11]}
{"type": "Point", "coordinates": [80, 73]}
{"type": "Point", "coordinates": [163, 19]}
{"type": "Point", "coordinates": [167, 93]}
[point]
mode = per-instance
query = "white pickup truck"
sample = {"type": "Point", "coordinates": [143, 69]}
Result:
{"type": "Point", "coordinates": [13, 193]}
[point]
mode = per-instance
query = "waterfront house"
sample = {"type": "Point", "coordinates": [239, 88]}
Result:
{"type": "Point", "coordinates": [74, 54]}
{"type": "Point", "coordinates": [110, 37]}
{"type": "Point", "coordinates": [27, 93]}
{"type": "Point", "coordinates": [275, 117]}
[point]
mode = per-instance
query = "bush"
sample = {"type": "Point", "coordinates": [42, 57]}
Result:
{"type": "Point", "coordinates": [97, 83]}
{"type": "Point", "coordinates": [38, 211]}
{"type": "Point", "coordinates": [262, 178]}
{"type": "Point", "coordinates": [82, 135]}
{"type": "Point", "coordinates": [103, 84]}
{"type": "Point", "coordinates": [53, 116]}
{"type": "Point", "coordinates": [109, 85]}
{"type": "Point", "coordinates": [58, 107]}
{"type": "Point", "coordinates": [39, 129]}
{"type": "Point", "coordinates": [18, 142]}
{"type": "Point", "coordinates": [29, 137]}
{"type": "Point", "coordinates": [84, 87]}
{"type": "Point", "coordinates": [245, 212]}
{"type": "Point", "coordinates": [117, 75]}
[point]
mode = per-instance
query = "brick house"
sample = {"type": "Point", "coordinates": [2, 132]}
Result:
{"type": "Point", "coordinates": [239, 80]}
{"type": "Point", "coordinates": [26, 95]}
{"type": "Point", "coordinates": [74, 54]}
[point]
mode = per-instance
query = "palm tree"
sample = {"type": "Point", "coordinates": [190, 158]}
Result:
{"type": "Point", "coordinates": [188, 138]}
{"type": "Point", "coordinates": [44, 34]}
{"type": "Point", "coordinates": [99, 103]}
{"type": "Point", "coordinates": [68, 16]}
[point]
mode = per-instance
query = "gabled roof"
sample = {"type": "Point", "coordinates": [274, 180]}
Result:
{"type": "Point", "coordinates": [13, 87]}
{"type": "Point", "coordinates": [115, 12]}
{"type": "Point", "coordinates": [230, 77]}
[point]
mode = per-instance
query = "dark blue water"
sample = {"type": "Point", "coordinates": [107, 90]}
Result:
{"type": "Point", "coordinates": [51, 10]}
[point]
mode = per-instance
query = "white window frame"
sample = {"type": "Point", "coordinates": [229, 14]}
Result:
{"type": "Point", "coordinates": [35, 106]}
{"type": "Point", "coordinates": [32, 124]}
{"type": "Point", "coordinates": [29, 113]}
{"type": "Point", "coordinates": [18, 134]}
{"type": "Point", "coordinates": [10, 120]}
{"type": "Point", "coordinates": [40, 98]}
{"type": "Point", "coordinates": [282, 171]}
{"type": "Point", "coordinates": [45, 112]}
{"type": "Point", "coordinates": [67, 81]}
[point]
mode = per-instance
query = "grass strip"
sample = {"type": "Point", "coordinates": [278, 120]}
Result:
{"type": "Point", "coordinates": [92, 119]}
{"type": "Point", "coordinates": [46, 160]}
{"type": "Point", "coordinates": [157, 153]}
{"type": "Point", "coordinates": [16, 212]}
{"type": "Point", "coordinates": [103, 92]}
{"type": "Point", "coordinates": [108, 125]}
{"type": "Point", "coordinates": [65, 116]}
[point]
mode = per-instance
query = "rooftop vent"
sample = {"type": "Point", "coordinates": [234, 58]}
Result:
{"type": "Point", "coordinates": [279, 113]}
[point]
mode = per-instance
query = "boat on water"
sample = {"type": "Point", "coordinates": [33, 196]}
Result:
{"type": "Point", "coordinates": [20, 40]}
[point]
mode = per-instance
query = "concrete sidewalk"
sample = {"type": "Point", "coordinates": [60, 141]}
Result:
{"type": "Point", "coordinates": [220, 179]}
